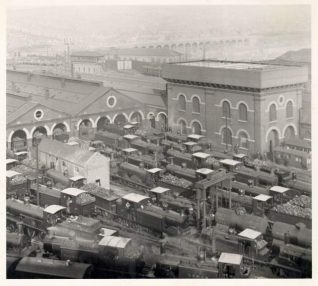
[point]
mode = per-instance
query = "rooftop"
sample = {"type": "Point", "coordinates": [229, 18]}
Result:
{"type": "Point", "coordinates": [204, 171]}
{"type": "Point", "coordinates": [73, 192]}
{"type": "Point", "coordinates": [114, 241]}
{"type": "Point", "coordinates": [230, 162]}
{"type": "Point", "coordinates": [230, 65]}
{"type": "Point", "coordinates": [235, 75]}
{"type": "Point", "coordinates": [159, 190]}
{"type": "Point", "coordinates": [53, 209]}
{"type": "Point", "coordinates": [279, 189]}
{"type": "Point", "coordinates": [249, 233]}
{"type": "Point", "coordinates": [201, 155]}
{"type": "Point", "coordinates": [262, 198]}
{"type": "Point", "coordinates": [230, 258]}
{"type": "Point", "coordinates": [135, 198]}
{"type": "Point", "coordinates": [69, 153]}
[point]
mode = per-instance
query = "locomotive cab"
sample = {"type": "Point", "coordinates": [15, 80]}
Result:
{"type": "Point", "coordinates": [21, 155]}
{"type": "Point", "coordinates": [77, 181]}
{"type": "Point", "coordinates": [261, 203]}
{"type": "Point", "coordinates": [54, 214]}
{"type": "Point", "coordinates": [231, 266]}
{"type": "Point", "coordinates": [200, 158]}
{"type": "Point", "coordinates": [251, 243]}
{"type": "Point", "coordinates": [130, 128]}
{"type": "Point", "coordinates": [204, 173]}
{"type": "Point", "coordinates": [11, 163]}
{"type": "Point", "coordinates": [158, 192]}
{"type": "Point", "coordinates": [77, 202]}
{"type": "Point", "coordinates": [279, 194]}
{"type": "Point", "coordinates": [231, 165]}
{"type": "Point", "coordinates": [240, 157]}
{"type": "Point", "coordinates": [192, 147]}
{"type": "Point", "coordinates": [155, 174]}
{"type": "Point", "coordinates": [130, 138]}
{"type": "Point", "coordinates": [129, 152]}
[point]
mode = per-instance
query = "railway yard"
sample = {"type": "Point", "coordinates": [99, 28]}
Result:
{"type": "Point", "coordinates": [176, 208]}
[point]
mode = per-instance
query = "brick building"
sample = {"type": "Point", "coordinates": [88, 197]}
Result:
{"type": "Point", "coordinates": [249, 104]}
{"type": "Point", "coordinates": [59, 107]}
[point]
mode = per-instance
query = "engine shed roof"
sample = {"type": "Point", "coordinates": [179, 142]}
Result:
{"type": "Point", "coordinates": [159, 190]}
{"type": "Point", "coordinates": [114, 241]}
{"type": "Point", "coordinates": [249, 233]}
{"type": "Point", "coordinates": [135, 198]}
{"type": "Point", "coordinates": [53, 209]}
{"type": "Point", "coordinates": [73, 192]}
{"type": "Point", "coordinates": [230, 258]}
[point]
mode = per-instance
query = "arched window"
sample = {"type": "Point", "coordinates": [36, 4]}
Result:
{"type": "Point", "coordinates": [272, 113]}
{"type": "Point", "coordinates": [242, 112]}
{"type": "Point", "coordinates": [243, 140]}
{"type": "Point", "coordinates": [196, 128]}
{"type": "Point", "coordinates": [289, 109]}
{"type": "Point", "coordinates": [182, 127]}
{"type": "Point", "coordinates": [226, 136]}
{"type": "Point", "coordinates": [226, 109]}
{"type": "Point", "coordinates": [196, 104]}
{"type": "Point", "coordinates": [182, 102]}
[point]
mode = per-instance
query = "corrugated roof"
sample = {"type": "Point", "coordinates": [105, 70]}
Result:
{"type": "Point", "coordinates": [69, 153]}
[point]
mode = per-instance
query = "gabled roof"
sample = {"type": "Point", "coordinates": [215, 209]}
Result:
{"type": "Point", "coordinates": [90, 99]}
{"type": "Point", "coordinates": [66, 152]}
{"type": "Point", "coordinates": [73, 192]}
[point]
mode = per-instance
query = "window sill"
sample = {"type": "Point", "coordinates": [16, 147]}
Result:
{"type": "Point", "coordinates": [198, 113]}
{"type": "Point", "coordinates": [243, 121]}
{"type": "Point", "coordinates": [181, 110]}
{"type": "Point", "coordinates": [227, 118]}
